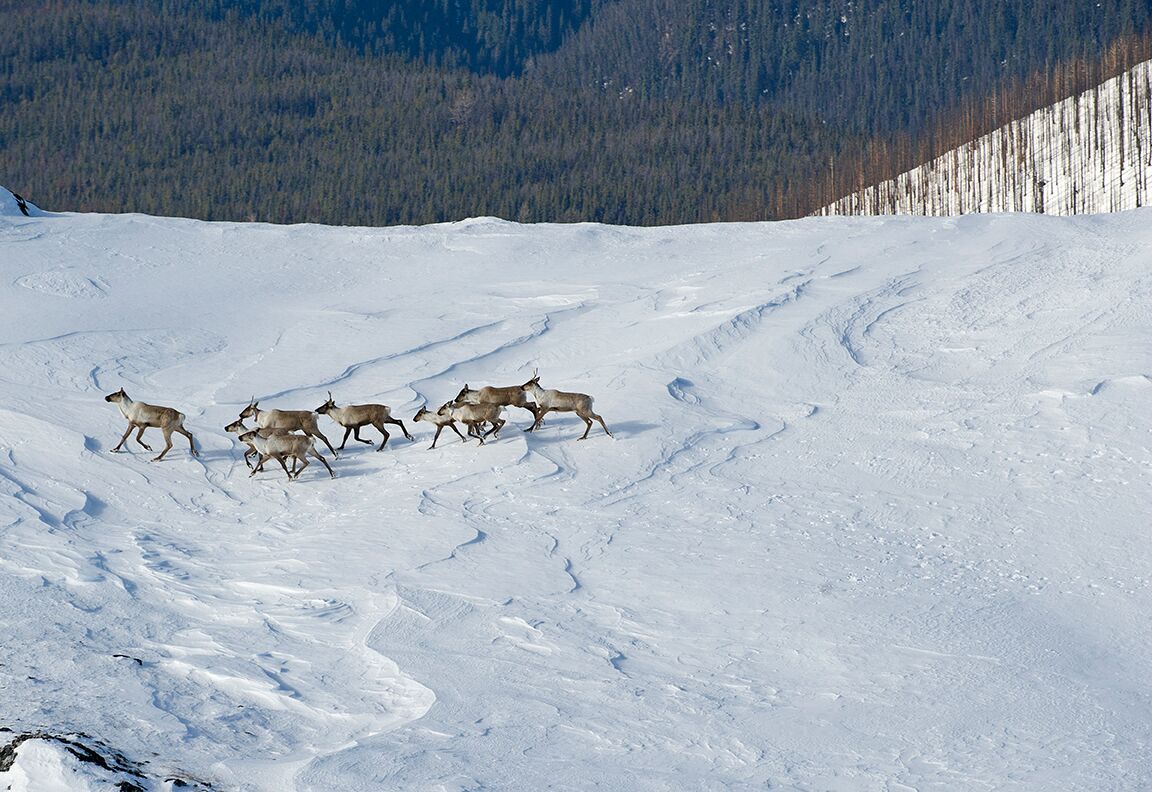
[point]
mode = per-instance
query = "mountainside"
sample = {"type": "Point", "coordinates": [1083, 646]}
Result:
{"type": "Point", "coordinates": [632, 111]}
{"type": "Point", "coordinates": [1090, 153]}
{"type": "Point", "coordinates": [483, 36]}
{"type": "Point", "coordinates": [873, 516]}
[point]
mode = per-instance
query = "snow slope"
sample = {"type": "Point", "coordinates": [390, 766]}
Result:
{"type": "Point", "coordinates": [875, 515]}
{"type": "Point", "coordinates": [1090, 153]}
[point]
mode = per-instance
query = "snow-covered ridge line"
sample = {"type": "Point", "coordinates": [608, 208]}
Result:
{"type": "Point", "coordinates": [1090, 153]}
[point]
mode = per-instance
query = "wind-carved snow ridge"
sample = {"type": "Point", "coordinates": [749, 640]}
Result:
{"type": "Point", "coordinates": [854, 327]}
{"type": "Point", "coordinates": [1089, 153]}
{"type": "Point", "coordinates": [81, 361]}
{"type": "Point", "coordinates": [872, 516]}
{"type": "Point", "coordinates": [705, 347]}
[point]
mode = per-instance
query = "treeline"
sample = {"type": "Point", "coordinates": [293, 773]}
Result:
{"type": "Point", "coordinates": [634, 111]}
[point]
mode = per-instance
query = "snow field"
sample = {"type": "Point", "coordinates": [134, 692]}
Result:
{"type": "Point", "coordinates": [874, 518]}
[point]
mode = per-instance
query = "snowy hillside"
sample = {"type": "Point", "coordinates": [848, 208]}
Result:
{"type": "Point", "coordinates": [875, 514]}
{"type": "Point", "coordinates": [1091, 153]}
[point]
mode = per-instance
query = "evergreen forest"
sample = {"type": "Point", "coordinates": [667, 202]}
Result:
{"type": "Point", "coordinates": [639, 112]}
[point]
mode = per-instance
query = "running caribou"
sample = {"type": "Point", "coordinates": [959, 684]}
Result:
{"type": "Point", "coordinates": [282, 446]}
{"type": "Point", "coordinates": [141, 416]}
{"type": "Point", "coordinates": [559, 401]}
{"type": "Point", "coordinates": [439, 420]}
{"type": "Point", "coordinates": [511, 396]}
{"type": "Point", "coordinates": [355, 416]}
{"type": "Point", "coordinates": [475, 416]}
{"type": "Point", "coordinates": [300, 420]}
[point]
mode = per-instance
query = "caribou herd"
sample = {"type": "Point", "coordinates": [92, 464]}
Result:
{"type": "Point", "coordinates": [286, 435]}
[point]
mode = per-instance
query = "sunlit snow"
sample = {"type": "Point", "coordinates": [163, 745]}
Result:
{"type": "Point", "coordinates": [875, 515]}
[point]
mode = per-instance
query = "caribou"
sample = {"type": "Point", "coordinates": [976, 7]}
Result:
{"type": "Point", "coordinates": [237, 427]}
{"type": "Point", "coordinates": [280, 446]}
{"type": "Point", "coordinates": [559, 401]}
{"type": "Point", "coordinates": [141, 416]}
{"type": "Point", "coordinates": [439, 420]}
{"type": "Point", "coordinates": [511, 396]}
{"type": "Point", "coordinates": [299, 420]}
{"type": "Point", "coordinates": [474, 416]}
{"type": "Point", "coordinates": [355, 416]}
